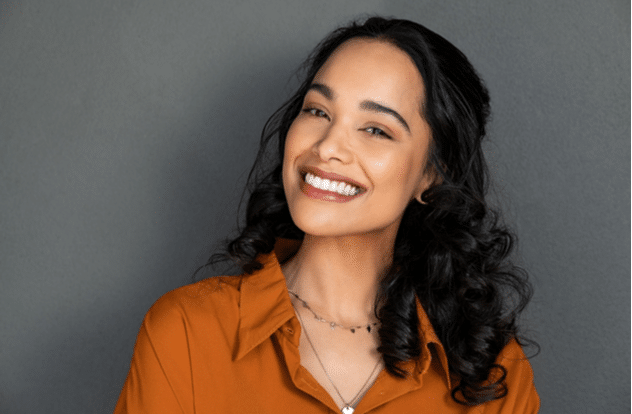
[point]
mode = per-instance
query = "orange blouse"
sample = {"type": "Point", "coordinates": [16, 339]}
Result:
{"type": "Point", "coordinates": [230, 345]}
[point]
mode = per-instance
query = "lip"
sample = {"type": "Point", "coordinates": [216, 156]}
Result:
{"type": "Point", "coordinates": [332, 177]}
{"type": "Point", "coordinates": [317, 193]}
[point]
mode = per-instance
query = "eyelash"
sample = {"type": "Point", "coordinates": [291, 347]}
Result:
{"type": "Point", "coordinates": [378, 132]}
{"type": "Point", "coordinates": [381, 132]}
{"type": "Point", "coordinates": [316, 112]}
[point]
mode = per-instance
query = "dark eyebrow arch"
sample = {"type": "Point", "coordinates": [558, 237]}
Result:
{"type": "Point", "coordinates": [376, 107]}
{"type": "Point", "coordinates": [323, 89]}
{"type": "Point", "coordinates": [366, 105]}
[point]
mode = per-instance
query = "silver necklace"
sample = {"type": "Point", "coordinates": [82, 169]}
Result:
{"type": "Point", "coordinates": [333, 325]}
{"type": "Point", "coordinates": [349, 407]}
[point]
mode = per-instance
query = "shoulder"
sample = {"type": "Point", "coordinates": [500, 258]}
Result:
{"type": "Point", "coordinates": [214, 300]}
{"type": "Point", "coordinates": [193, 320]}
{"type": "Point", "coordinates": [522, 396]}
{"type": "Point", "coordinates": [513, 358]}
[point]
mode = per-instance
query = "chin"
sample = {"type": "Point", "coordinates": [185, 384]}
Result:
{"type": "Point", "coordinates": [317, 224]}
{"type": "Point", "coordinates": [326, 226]}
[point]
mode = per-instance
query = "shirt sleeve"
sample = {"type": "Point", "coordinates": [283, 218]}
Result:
{"type": "Point", "coordinates": [159, 379]}
{"type": "Point", "coordinates": [522, 397]}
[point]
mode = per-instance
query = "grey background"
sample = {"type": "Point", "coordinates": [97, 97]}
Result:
{"type": "Point", "coordinates": [127, 127]}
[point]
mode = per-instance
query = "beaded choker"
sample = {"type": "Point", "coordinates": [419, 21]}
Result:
{"type": "Point", "coordinates": [333, 325]}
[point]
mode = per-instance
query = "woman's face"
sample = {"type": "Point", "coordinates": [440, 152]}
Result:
{"type": "Point", "coordinates": [355, 155]}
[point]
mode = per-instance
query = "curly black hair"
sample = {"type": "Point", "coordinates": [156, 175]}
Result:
{"type": "Point", "coordinates": [451, 252]}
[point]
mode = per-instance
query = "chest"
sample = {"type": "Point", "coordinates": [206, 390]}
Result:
{"type": "Point", "coordinates": [345, 364]}
{"type": "Point", "coordinates": [280, 376]}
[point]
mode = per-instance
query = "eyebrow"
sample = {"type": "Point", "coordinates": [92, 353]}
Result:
{"type": "Point", "coordinates": [365, 105]}
{"type": "Point", "coordinates": [323, 89]}
{"type": "Point", "coordinates": [376, 107]}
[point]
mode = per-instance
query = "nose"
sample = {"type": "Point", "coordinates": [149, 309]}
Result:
{"type": "Point", "coordinates": [334, 144]}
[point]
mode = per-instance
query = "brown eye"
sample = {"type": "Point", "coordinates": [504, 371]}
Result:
{"type": "Point", "coordinates": [377, 132]}
{"type": "Point", "coordinates": [315, 112]}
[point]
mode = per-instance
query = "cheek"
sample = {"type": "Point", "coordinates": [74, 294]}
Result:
{"type": "Point", "coordinates": [294, 147]}
{"type": "Point", "coordinates": [399, 176]}
{"type": "Point", "coordinates": [289, 146]}
{"type": "Point", "coordinates": [394, 170]}
{"type": "Point", "coordinates": [293, 142]}
{"type": "Point", "coordinates": [403, 173]}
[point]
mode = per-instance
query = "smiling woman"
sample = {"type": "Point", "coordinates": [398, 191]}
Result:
{"type": "Point", "coordinates": [361, 121]}
{"type": "Point", "coordinates": [376, 278]}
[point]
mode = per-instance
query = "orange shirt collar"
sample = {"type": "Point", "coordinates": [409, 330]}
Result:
{"type": "Point", "coordinates": [265, 306]}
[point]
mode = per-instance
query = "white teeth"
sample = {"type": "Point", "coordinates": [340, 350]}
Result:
{"type": "Point", "coordinates": [328, 185]}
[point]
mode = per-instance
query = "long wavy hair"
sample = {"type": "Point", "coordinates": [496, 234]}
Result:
{"type": "Point", "coordinates": [452, 252]}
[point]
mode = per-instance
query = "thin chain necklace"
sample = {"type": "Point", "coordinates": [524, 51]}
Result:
{"type": "Point", "coordinates": [333, 325]}
{"type": "Point", "coordinates": [349, 407]}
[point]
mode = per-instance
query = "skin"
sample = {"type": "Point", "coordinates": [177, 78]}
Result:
{"type": "Point", "coordinates": [348, 246]}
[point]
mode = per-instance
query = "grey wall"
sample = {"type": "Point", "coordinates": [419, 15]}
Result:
{"type": "Point", "coordinates": [126, 129]}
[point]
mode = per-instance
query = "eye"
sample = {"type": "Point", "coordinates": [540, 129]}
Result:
{"type": "Point", "coordinates": [316, 112]}
{"type": "Point", "coordinates": [377, 132]}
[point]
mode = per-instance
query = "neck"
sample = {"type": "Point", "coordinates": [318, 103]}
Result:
{"type": "Point", "coordinates": [339, 276]}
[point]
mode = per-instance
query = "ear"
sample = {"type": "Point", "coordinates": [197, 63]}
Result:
{"type": "Point", "coordinates": [429, 179]}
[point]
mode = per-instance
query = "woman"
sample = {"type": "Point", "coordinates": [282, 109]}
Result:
{"type": "Point", "coordinates": [375, 276]}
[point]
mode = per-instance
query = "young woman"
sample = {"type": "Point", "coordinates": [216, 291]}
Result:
{"type": "Point", "coordinates": [376, 277]}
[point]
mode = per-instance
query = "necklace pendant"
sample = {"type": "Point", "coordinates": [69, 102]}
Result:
{"type": "Point", "coordinates": [347, 410]}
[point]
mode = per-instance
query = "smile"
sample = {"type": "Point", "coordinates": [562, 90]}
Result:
{"type": "Point", "coordinates": [325, 184]}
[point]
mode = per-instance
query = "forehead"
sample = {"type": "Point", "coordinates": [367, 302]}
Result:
{"type": "Point", "coordinates": [375, 69]}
